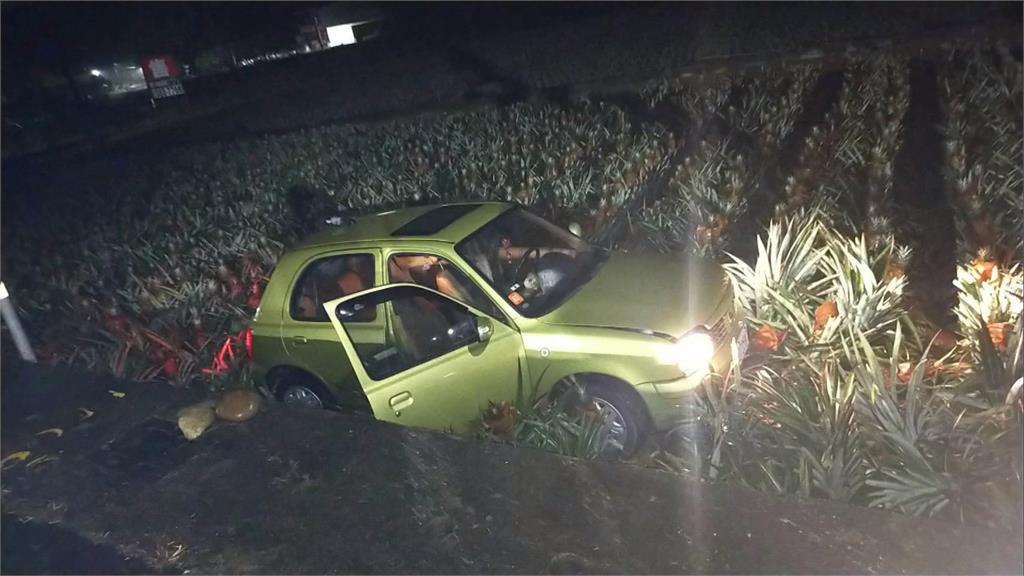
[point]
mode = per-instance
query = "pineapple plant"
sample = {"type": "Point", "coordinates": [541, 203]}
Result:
{"type": "Point", "coordinates": [845, 166]}
{"type": "Point", "coordinates": [708, 194]}
{"type": "Point", "coordinates": [983, 147]}
{"type": "Point", "coordinates": [770, 103]}
{"type": "Point", "coordinates": [810, 287]}
{"type": "Point", "coordinates": [850, 406]}
{"type": "Point", "coordinates": [730, 151]}
{"type": "Point", "coordinates": [989, 304]}
{"type": "Point", "coordinates": [872, 125]}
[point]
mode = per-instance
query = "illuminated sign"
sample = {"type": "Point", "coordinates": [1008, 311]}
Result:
{"type": "Point", "coordinates": [162, 77]}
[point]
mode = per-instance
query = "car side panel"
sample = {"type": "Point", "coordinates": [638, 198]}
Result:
{"type": "Point", "coordinates": [554, 352]}
{"type": "Point", "coordinates": [314, 346]}
{"type": "Point", "coordinates": [268, 347]}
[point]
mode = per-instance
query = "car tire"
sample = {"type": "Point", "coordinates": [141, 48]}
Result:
{"type": "Point", "coordinates": [624, 408]}
{"type": "Point", "coordinates": [296, 391]}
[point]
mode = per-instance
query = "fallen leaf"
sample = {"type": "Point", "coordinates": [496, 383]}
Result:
{"type": "Point", "coordinates": [21, 456]}
{"type": "Point", "coordinates": [86, 413]}
{"type": "Point", "coordinates": [41, 460]}
{"type": "Point", "coordinates": [116, 393]}
{"type": "Point", "coordinates": [55, 431]}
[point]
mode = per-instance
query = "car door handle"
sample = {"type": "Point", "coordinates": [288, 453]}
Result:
{"type": "Point", "coordinates": [400, 402]}
{"type": "Point", "coordinates": [299, 340]}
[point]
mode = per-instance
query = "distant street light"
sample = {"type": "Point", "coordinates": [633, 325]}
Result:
{"type": "Point", "coordinates": [95, 72]}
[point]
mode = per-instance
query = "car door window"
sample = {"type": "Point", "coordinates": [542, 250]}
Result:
{"type": "Point", "coordinates": [329, 278]}
{"type": "Point", "coordinates": [440, 274]}
{"type": "Point", "coordinates": [426, 326]}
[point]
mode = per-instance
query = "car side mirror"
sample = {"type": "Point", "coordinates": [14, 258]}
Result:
{"type": "Point", "coordinates": [576, 230]}
{"type": "Point", "coordinates": [484, 329]}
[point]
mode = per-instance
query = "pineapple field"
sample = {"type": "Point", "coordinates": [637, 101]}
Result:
{"type": "Point", "coordinates": [868, 209]}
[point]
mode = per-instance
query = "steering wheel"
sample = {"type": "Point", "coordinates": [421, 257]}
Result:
{"type": "Point", "coordinates": [519, 276]}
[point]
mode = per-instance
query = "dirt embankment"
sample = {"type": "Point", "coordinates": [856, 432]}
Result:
{"type": "Point", "coordinates": [320, 492]}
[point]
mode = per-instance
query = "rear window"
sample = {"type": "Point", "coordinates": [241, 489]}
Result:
{"type": "Point", "coordinates": [329, 278]}
{"type": "Point", "coordinates": [434, 221]}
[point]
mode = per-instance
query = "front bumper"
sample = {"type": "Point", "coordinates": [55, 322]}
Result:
{"type": "Point", "coordinates": [668, 401]}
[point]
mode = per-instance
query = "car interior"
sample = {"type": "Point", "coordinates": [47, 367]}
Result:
{"type": "Point", "coordinates": [439, 274]}
{"type": "Point", "coordinates": [328, 279]}
{"type": "Point", "coordinates": [423, 326]}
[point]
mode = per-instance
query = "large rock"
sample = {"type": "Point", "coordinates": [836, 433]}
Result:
{"type": "Point", "coordinates": [238, 405]}
{"type": "Point", "coordinates": [194, 420]}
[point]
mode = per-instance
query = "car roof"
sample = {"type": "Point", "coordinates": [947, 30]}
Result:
{"type": "Point", "coordinates": [382, 227]}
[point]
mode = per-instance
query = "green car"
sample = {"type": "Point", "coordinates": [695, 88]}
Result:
{"type": "Point", "coordinates": [425, 315]}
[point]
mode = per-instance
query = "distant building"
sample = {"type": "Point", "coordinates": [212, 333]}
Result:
{"type": "Point", "coordinates": [341, 24]}
{"type": "Point", "coordinates": [112, 79]}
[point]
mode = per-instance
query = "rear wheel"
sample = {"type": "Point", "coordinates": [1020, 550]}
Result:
{"type": "Point", "coordinates": [298, 390]}
{"type": "Point", "coordinates": [299, 396]}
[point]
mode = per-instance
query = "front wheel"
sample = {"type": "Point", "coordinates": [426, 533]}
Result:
{"type": "Point", "coordinates": [620, 415]}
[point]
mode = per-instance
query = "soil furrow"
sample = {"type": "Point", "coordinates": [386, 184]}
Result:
{"type": "Point", "coordinates": [920, 197]}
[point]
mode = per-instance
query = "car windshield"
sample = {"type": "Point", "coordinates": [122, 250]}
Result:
{"type": "Point", "coordinates": [529, 261]}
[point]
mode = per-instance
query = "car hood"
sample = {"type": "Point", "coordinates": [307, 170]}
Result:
{"type": "Point", "coordinates": [662, 293]}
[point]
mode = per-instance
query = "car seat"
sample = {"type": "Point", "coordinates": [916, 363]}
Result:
{"type": "Point", "coordinates": [447, 284]}
{"type": "Point", "coordinates": [350, 282]}
{"type": "Point", "coordinates": [420, 328]}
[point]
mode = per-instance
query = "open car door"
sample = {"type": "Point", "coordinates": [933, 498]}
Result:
{"type": "Point", "coordinates": [439, 361]}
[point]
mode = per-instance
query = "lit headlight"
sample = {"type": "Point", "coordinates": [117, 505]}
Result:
{"type": "Point", "coordinates": [694, 351]}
